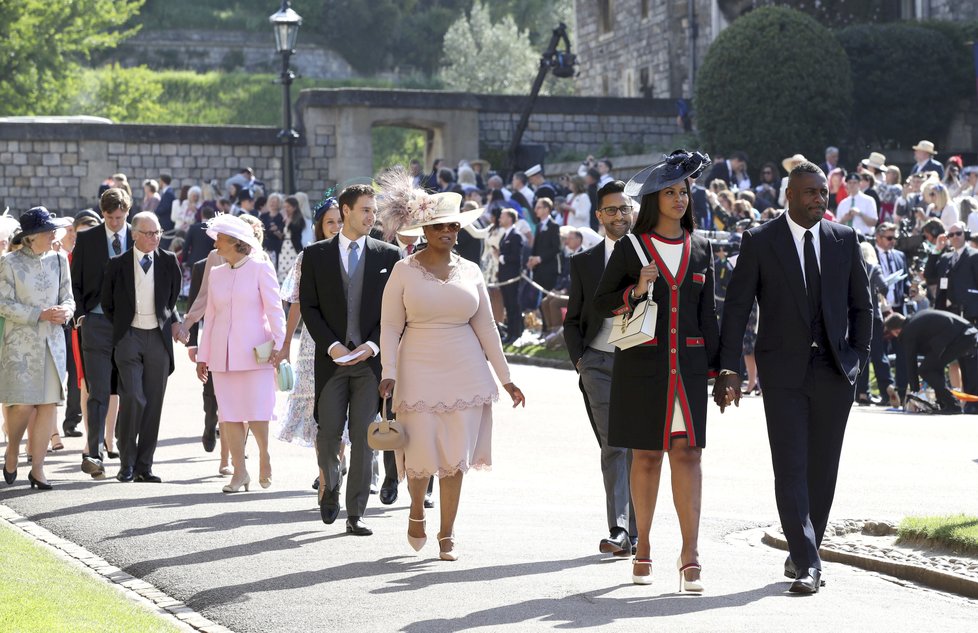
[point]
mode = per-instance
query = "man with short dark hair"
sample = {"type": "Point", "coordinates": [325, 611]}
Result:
{"type": "Point", "coordinates": [604, 168]}
{"type": "Point", "coordinates": [521, 190]}
{"type": "Point", "coordinates": [510, 265]}
{"type": "Point", "coordinates": [340, 292]}
{"type": "Point", "coordinates": [586, 334]}
{"type": "Point", "coordinates": [198, 244]}
{"type": "Point", "coordinates": [165, 206]}
{"type": "Point", "coordinates": [727, 170]}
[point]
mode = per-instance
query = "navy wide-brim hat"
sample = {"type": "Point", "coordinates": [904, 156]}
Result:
{"type": "Point", "coordinates": [675, 169]}
{"type": "Point", "coordinates": [40, 220]}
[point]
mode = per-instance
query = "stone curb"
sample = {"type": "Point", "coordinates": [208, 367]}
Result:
{"type": "Point", "coordinates": [550, 363]}
{"type": "Point", "coordinates": [167, 607]}
{"type": "Point", "coordinates": [933, 578]}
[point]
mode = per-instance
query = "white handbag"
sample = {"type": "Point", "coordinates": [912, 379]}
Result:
{"type": "Point", "coordinates": [638, 326]}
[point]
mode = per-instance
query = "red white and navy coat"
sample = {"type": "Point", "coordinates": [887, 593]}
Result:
{"type": "Point", "coordinates": [647, 380]}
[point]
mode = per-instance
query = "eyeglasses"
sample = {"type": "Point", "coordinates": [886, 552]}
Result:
{"type": "Point", "coordinates": [613, 211]}
{"type": "Point", "coordinates": [888, 238]}
{"type": "Point", "coordinates": [151, 233]}
{"type": "Point", "coordinates": [454, 227]}
{"type": "Point", "coordinates": [956, 234]}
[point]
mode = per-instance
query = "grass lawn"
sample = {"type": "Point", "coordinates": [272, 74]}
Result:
{"type": "Point", "coordinates": [957, 532]}
{"type": "Point", "coordinates": [42, 592]}
{"type": "Point", "coordinates": [537, 351]}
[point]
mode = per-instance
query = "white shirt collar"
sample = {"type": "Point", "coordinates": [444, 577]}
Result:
{"type": "Point", "coordinates": [345, 242]}
{"type": "Point", "coordinates": [109, 232]}
{"type": "Point", "coordinates": [609, 246]}
{"type": "Point", "coordinates": [139, 254]}
{"type": "Point", "coordinates": [798, 231]}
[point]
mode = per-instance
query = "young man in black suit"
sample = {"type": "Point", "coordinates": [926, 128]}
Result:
{"type": "Point", "coordinates": [340, 292]}
{"type": "Point", "coordinates": [727, 170]}
{"type": "Point", "coordinates": [198, 244]}
{"type": "Point", "coordinates": [165, 205]}
{"type": "Point", "coordinates": [93, 250]}
{"type": "Point", "coordinates": [510, 265]}
{"type": "Point", "coordinates": [816, 321]}
{"type": "Point", "coordinates": [139, 297]}
{"type": "Point", "coordinates": [586, 334]}
{"type": "Point", "coordinates": [941, 338]}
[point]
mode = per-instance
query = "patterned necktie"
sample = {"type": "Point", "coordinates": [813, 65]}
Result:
{"type": "Point", "coordinates": [410, 249]}
{"type": "Point", "coordinates": [116, 244]}
{"type": "Point", "coordinates": [354, 258]}
{"type": "Point", "coordinates": [146, 262]}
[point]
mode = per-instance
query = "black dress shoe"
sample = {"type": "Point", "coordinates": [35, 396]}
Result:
{"type": "Point", "coordinates": [428, 503]}
{"type": "Point", "coordinates": [209, 439]}
{"type": "Point", "coordinates": [125, 475]}
{"type": "Point", "coordinates": [70, 430]}
{"type": "Point", "coordinates": [315, 483]}
{"type": "Point", "coordinates": [617, 543]}
{"type": "Point", "coordinates": [329, 506]}
{"type": "Point", "coordinates": [148, 478]}
{"type": "Point", "coordinates": [791, 572]}
{"type": "Point", "coordinates": [807, 581]}
{"type": "Point", "coordinates": [388, 493]}
{"type": "Point", "coordinates": [356, 527]}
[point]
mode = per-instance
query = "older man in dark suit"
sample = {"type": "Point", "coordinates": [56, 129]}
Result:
{"type": "Point", "coordinates": [816, 321]}
{"type": "Point", "coordinates": [586, 334]}
{"type": "Point", "coordinates": [139, 296]}
{"type": "Point", "coordinates": [340, 292]}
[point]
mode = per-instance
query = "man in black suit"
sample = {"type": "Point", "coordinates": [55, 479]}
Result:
{"type": "Point", "coordinates": [510, 265]}
{"type": "Point", "coordinates": [727, 170]}
{"type": "Point", "coordinates": [93, 249]}
{"type": "Point", "coordinates": [941, 338]}
{"type": "Point", "coordinates": [892, 262]}
{"type": "Point", "coordinates": [586, 334]}
{"type": "Point", "coordinates": [957, 275]}
{"type": "Point", "coordinates": [340, 292]}
{"type": "Point", "coordinates": [198, 244]}
{"type": "Point", "coordinates": [139, 297]}
{"type": "Point", "coordinates": [544, 258]}
{"type": "Point", "coordinates": [165, 206]}
{"type": "Point", "coordinates": [209, 437]}
{"type": "Point", "coordinates": [816, 321]}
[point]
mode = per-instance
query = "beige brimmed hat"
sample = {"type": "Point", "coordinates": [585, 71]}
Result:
{"type": "Point", "coordinates": [925, 146]}
{"type": "Point", "coordinates": [876, 161]}
{"type": "Point", "coordinates": [790, 163]}
{"type": "Point", "coordinates": [483, 162]}
{"type": "Point", "coordinates": [439, 208]}
{"type": "Point", "coordinates": [233, 227]}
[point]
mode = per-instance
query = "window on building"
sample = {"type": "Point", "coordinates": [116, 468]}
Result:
{"type": "Point", "coordinates": [606, 11]}
{"type": "Point", "coordinates": [604, 85]}
{"type": "Point", "coordinates": [644, 85]}
{"type": "Point", "coordinates": [645, 8]}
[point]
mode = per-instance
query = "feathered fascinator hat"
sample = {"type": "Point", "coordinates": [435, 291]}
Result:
{"type": "Point", "coordinates": [676, 168]}
{"type": "Point", "coordinates": [405, 209]}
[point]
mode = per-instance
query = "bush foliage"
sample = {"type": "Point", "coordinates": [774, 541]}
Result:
{"type": "Point", "coordinates": [774, 83]}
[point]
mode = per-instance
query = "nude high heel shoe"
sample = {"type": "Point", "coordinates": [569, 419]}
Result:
{"type": "Point", "coordinates": [451, 554]}
{"type": "Point", "coordinates": [232, 487]}
{"type": "Point", "coordinates": [688, 586]}
{"type": "Point", "coordinates": [417, 542]}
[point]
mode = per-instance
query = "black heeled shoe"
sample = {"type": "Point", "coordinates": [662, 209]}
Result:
{"type": "Point", "coordinates": [9, 477]}
{"type": "Point", "coordinates": [111, 454]}
{"type": "Point", "coordinates": [40, 485]}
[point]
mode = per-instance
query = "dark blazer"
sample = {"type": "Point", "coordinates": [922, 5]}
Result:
{"type": "Point", "coordinates": [119, 294]}
{"type": "Point", "coordinates": [583, 319]}
{"type": "Point", "coordinates": [322, 300]}
{"type": "Point", "coordinates": [511, 252]}
{"type": "Point", "coordinates": [546, 246]}
{"type": "Point", "coordinates": [768, 268]}
{"type": "Point", "coordinates": [197, 245]}
{"type": "Point", "coordinates": [196, 280]}
{"type": "Point", "coordinates": [470, 247]}
{"type": "Point", "coordinates": [720, 171]}
{"type": "Point", "coordinates": [927, 333]}
{"type": "Point", "coordinates": [164, 208]}
{"type": "Point", "coordinates": [88, 262]}
{"type": "Point", "coordinates": [961, 294]}
{"type": "Point", "coordinates": [930, 165]}
{"type": "Point", "coordinates": [675, 364]}
{"type": "Point", "coordinates": [701, 208]}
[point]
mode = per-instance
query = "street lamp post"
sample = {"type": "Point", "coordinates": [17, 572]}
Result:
{"type": "Point", "coordinates": [285, 24]}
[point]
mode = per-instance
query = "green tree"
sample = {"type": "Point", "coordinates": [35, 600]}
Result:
{"type": "Point", "coordinates": [44, 43]}
{"type": "Point", "coordinates": [774, 83]}
{"type": "Point", "coordinates": [120, 94]}
{"type": "Point", "coordinates": [480, 56]}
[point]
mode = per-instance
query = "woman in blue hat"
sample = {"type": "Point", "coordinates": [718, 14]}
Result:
{"type": "Point", "coordinates": [659, 389]}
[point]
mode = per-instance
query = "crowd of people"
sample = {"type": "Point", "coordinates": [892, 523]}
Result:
{"type": "Point", "coordinates": [406, 292]}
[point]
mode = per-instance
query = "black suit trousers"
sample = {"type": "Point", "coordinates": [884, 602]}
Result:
{"type": "Point", "coordinates": [806, 427]}
{"type": "Point", "coordinates": [881, 364]}
{"type": "Point", "coordinates": [144, 365]}
{"type": "Point", "coordinates": [961, 349]}
{"type": "Point", "coordinates": [514, 313]}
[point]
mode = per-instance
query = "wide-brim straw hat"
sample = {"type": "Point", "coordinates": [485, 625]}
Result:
{"type": "Point", "coordinates": [440, 208]}
{"type": "Point", "coordinates": [925, 146]}
{"type": "Point", "coordinates": [876, 161]}
{"type": "Point", "coordinates": [792, 161]}
{"type": "Point", "coordinates": [233, 227]}
{"type": "Point", "coordinates": [481, 161]}
{"type": "Point", "coordinates": [674, 169]}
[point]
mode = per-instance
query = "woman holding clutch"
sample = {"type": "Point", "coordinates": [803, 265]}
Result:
{"type": "Point", "coordinates": [658, 390]}
{"type": "Point", "coordinates": [244, 328]}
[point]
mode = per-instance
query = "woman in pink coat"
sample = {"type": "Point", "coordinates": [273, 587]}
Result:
{"type": "Point", "coordinates": [243, 313]}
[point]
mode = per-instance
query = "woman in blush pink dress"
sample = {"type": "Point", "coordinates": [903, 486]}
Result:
{"type": "Point", "coordinates": [436, 333]}
{"type": "Point", "coordinates": [243, 312]}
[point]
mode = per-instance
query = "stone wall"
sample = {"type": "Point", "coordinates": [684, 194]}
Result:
{"type": "Point", "coordinates": [953, 10]}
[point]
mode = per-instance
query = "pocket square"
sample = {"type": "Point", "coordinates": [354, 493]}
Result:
{"type": "Point", "coordinates": [383, 270]}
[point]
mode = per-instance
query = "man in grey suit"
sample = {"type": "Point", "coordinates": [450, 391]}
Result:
{"type": "Point", "coordinates": [586, 334]}
{"type": "Point", "coordinates": [340, 292]}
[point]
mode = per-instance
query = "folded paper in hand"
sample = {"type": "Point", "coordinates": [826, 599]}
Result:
{"type": "Point", "coordinates": [894, 277]}
{"type": "Point", "coordinates": [264, 351]}
{"type": "Point", "coordinates": [350, 356]}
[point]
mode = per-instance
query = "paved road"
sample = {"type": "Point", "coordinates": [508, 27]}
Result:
{"type": "Point", "coordinates": [262, 561]}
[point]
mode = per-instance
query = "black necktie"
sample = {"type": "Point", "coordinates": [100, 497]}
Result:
{"type": "Point", "coordinates": [116, 244]}
{"type": "Point", "coordinates": [146, 262]}
{"type": "Point", "coordinates": [813, 279]}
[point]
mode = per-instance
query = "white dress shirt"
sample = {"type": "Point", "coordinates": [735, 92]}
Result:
{"type": "Point", "coordinates": [798, 235]}
{"type": "Point", "coordinates": [345, 260]}
{"type": "Point", "coordinates": [600, 340]}
{"type": "Point", "coordinates": [145, 314]}
{"type": "Point", "coordinates": [865, 208]}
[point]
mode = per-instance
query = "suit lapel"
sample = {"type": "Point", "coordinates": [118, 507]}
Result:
{"type": "Point", "coordinates": [161, 287]}
{"type": "Point", "coordinates": [370, 274]}
{"type": "Point", "coordinates": [833, 256]}
{"type": "Point", "coordinates": [129, 277]}
{"type": "Point", "coordinates": [784, 248]}
{"type": "Point", "coordinates": [335, 275]}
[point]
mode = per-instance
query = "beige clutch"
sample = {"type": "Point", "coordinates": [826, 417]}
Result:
{"type": "Point", "coordinates": [264, 351]}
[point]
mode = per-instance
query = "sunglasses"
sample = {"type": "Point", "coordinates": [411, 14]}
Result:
{"type": "Point", "coordinates": [888, 238]}
{"type": "Point", "coordinates": [956, 234]}
{"type": "Point", "coordinates": [454, 227]}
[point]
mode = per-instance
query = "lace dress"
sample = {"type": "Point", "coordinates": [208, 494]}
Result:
{"type": "Point", "coordinates": [435, 337]}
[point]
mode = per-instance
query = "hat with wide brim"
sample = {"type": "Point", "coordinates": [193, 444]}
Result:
{"type": "Point", "coordinates": [40, 220]}
{"type": "Point", "coordinates": [486, 166]}
{"type": "Point", "coordinates": [439, 208]}
{"type": "Point", "coordinates": [673, 170]}
{"type": "Point", "coordinates": [233, 227]}
{"type": "Point", "coordinates": [876, 160]}
{"type": "Point", "coordinates": [925, 146]}
{"type": "Point", "coordinates": [793, 161]}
